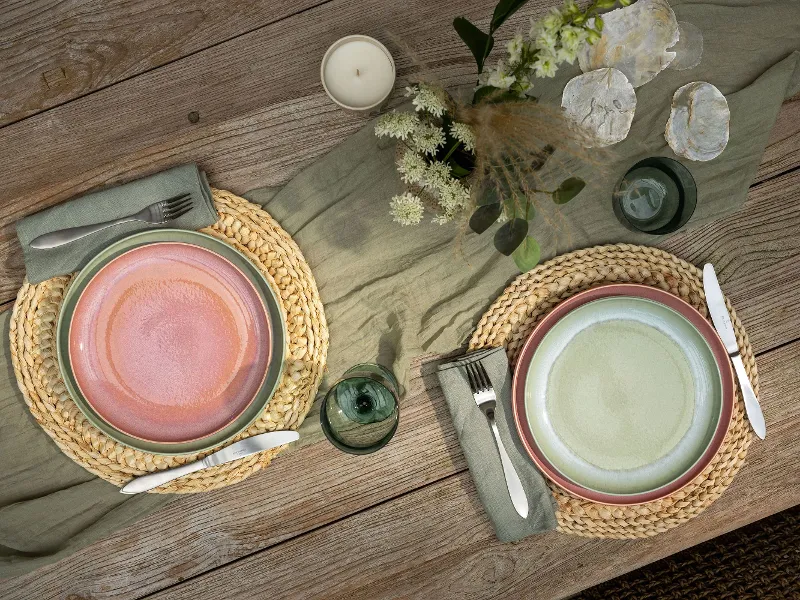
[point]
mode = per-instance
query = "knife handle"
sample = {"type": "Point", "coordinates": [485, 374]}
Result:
{"type": "Point", "coordinates": [751, 405]}
{"type": "Point", "coordinates": [153, 480]}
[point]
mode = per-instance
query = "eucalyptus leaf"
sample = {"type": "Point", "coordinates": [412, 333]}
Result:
{"type": "Point", "coordinates": [568, 189]}
{"type": "Point", "coordinates": [503, 10]}
{"type": "Point", "coordinates": [510, 235]}
{"type": "Point", "coordinates": [479, 43]}
{"type": "Point", "coordinates": [488, 196]}
{"type": "Point", "coordinates": [527, 254]}
{"type": "Point", "coordinates": [484, 216]}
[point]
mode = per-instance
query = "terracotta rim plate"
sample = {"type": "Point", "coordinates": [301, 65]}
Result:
{"type": "Point", "coordinates": [171, 341]}
{"type": "Point", "coordinates": [578, 416]}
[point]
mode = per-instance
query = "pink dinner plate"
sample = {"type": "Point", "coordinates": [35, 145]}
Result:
{"type": "Point", "coordinates": [169, 342]}
{"type": "Point", "coordinates": [533, 414]}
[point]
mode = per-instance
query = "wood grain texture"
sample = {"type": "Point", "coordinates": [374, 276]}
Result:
{"type": "Point", "coordinates": [55, 51]}
{"type": "Point", "coordinates": [436, 542]}
{"type": "Point", "coordinates": [196, 534]}
{"type": "Point", "coordinates": [263, 114]}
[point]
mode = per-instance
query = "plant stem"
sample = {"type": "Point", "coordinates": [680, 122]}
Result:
{"type": "Point", "coordinates": [450, 152]}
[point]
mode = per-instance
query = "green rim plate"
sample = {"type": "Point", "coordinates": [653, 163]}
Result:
{"type": "Point", "coordinates": [265, 291]}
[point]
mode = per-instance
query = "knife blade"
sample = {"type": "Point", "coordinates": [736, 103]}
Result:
{"type": "Point", "coordinates": [246, 447]}
{"type": "Point", "coordinates": [722, 323]}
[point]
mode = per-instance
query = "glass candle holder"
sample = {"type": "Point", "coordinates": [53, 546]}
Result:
{"type": "Point", "coordinates": [657, 195]}
{"type": "Point", "coordinates": [360, 413]}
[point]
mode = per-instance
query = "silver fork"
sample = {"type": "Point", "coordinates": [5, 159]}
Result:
{"type": "Point", "coordinates": [157, 213]}
{"type": "Point", "coordinates": [486, 399]}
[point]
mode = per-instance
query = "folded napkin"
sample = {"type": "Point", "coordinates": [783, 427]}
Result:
{"type": "Point", "coordinates": [479, 447]}
{"type": "Point", "coordinates": [105, 205]}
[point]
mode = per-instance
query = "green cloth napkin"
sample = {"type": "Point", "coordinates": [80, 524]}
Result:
{"type": "Point", "coordinates": [105, 205]}
{"type": "Point", "coordinates": [479, 448]}
{"type": "Point", "coordinates": [392, 293]}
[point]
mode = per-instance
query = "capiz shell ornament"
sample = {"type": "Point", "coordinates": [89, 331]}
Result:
{"type": "Point", "coordinates": [601, 104]}
{"type": "Point", "coordinates": [699, 122]}
{"type": "Point", "coordinates": [635, 40]}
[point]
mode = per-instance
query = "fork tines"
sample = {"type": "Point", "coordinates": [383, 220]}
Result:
{"type": "Point", "coordinates": [478, 378]}
{"type": "Point", "coordinates": [176, 206]}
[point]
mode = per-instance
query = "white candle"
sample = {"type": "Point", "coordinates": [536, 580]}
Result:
{"type": "Point", "coordinates": [358, 72]}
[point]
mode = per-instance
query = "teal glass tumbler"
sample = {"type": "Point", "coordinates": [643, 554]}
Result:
{"type": "Point", "coordinates": [360, 413]}
{"type": "Point", "coordinates": [657, 195]}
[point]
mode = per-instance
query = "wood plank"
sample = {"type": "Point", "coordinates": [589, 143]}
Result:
{"type": "Point", "coordinates": [56, 51]}
{"type": "Point", "coordinates": [203, 532]}
{"type": "Point", "coordinates": [783, 148]}
{"type": "Point", "coordinates": [263, 114]}
{"type": "Point", "coordinates": [436, 542]}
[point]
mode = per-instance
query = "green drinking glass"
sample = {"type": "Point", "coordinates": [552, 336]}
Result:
{"type": "Point", "coordinates": [657, 195]}
{"type": "Point", "coordinates": [360, 413]}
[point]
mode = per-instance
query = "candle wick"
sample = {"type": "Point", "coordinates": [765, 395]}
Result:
{"type": "Point", "coordinates": [358, 72]}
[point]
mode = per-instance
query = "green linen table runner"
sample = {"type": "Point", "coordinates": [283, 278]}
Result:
{"type": "Point", "coordinates": [391, 293]}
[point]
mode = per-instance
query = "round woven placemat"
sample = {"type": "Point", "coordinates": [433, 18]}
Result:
{"type": "Point", "coordinates": [512, 317]}
{"type": "Point", "coordinates": [249, 229]}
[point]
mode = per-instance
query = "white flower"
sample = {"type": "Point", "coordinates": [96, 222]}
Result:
{"type": "Point", "coordinates": [427, 138]}
{"type": "Point", "coordinates": [515, 46]}
{"type": "Point", "coordinates": [406, 209]}
{"type": "Point", "coordinates": [566, 55]}
{"type": "Point", "coordinates": [437, 175]}
{"type": "Point", "coordinates": [553, 20]}
{"type": "Point", "coordinates": [412, 167]}
{"type": "Point", "coordinates": [396, 124]}
{"type": "Point", "coordinates": [499, 78]}
{"type": "Point", "coordinates": [453, 197]}
{"type": "Point", "coordinates": [572, 37]}
{"type": "Point", "coordinates": [546, 40]}
{"type": "Point", "coordinates": [411, 90]}
{"type": "Point", "coordinates": [545, 65]}
{"type": "Point", "coordinates": [427, 98]}
{"type": "Point", "coordinates": [465, 135]}
{"type": "Point", "coordinates": [441, 219]}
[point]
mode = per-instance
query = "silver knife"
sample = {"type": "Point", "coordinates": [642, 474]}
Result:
{"type": "Point", "coordinates": [246, 447]}
{"type": "Point", "coordinates": [722, 323]}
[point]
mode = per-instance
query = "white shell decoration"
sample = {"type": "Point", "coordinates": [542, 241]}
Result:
{"type": "Point", "coordinates": [689, 49]}
{"type": "Point", "coordinates": [601, 104]}
{"type": "Point", "coordinates": [635, 41]}
{"type": "Point", "coordinates": [699, 123]}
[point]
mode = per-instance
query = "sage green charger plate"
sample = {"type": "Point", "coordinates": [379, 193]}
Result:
{"type": "Point", "coordinates": [624, 395]}
{"type": "Point", "coordinates": [265, 292]}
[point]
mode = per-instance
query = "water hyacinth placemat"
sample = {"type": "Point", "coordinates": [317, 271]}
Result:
{"type": "Point", "coordinates": [512, 317]}
{"type": "Point", "coordinates": [249, 229]}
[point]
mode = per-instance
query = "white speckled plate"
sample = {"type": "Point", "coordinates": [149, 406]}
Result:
{"type": "Point", "coordinates": [623, 395]}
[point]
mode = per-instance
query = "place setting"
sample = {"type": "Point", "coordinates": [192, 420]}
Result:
{"type": "Point", "coordinates": [172, 351]}
{"type": "Point", "coordinates": [171, 337]}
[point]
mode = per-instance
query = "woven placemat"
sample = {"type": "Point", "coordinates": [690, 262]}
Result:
{"type": "Point", "coordinates": [249, 229]}
{"type": "Point", "coordinates": [512, 317]}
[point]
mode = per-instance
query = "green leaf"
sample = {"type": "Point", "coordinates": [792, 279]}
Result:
{"type": "Point", "coordinates": [503, 10]}
{"type": "Point", "coordinates": [527, 254]}
{"type": "Point", "coordinates": [484, 216]}
{"type": "Point", "coordinates": [510, 235]}
{"type": "Point", "coordinates": [457, 170]}
{"type": "Point", "coordinates": [478, 42]}
{"type": "Point", "coordinates": [568, 189]}
{"type": "Point", "coordinates": [488, 196]}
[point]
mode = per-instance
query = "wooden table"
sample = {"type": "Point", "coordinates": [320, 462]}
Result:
{"type": "Point", "coordinates": [93, 93]}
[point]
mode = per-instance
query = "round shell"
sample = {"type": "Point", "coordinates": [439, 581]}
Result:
{"type": "Point", "coordinates": [601, 103]}
{"type": "Point", "coordinates": [699, 122]}
{"type": "Point", "coordinates": [634, 40]}
{"type": "Point", "coordinates": [689, 49]}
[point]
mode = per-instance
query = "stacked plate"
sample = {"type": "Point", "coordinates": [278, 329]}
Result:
{"type": "Point", "coordinates": [623, 394]}
{"type": "Point", "coordinates": [171, 341]}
